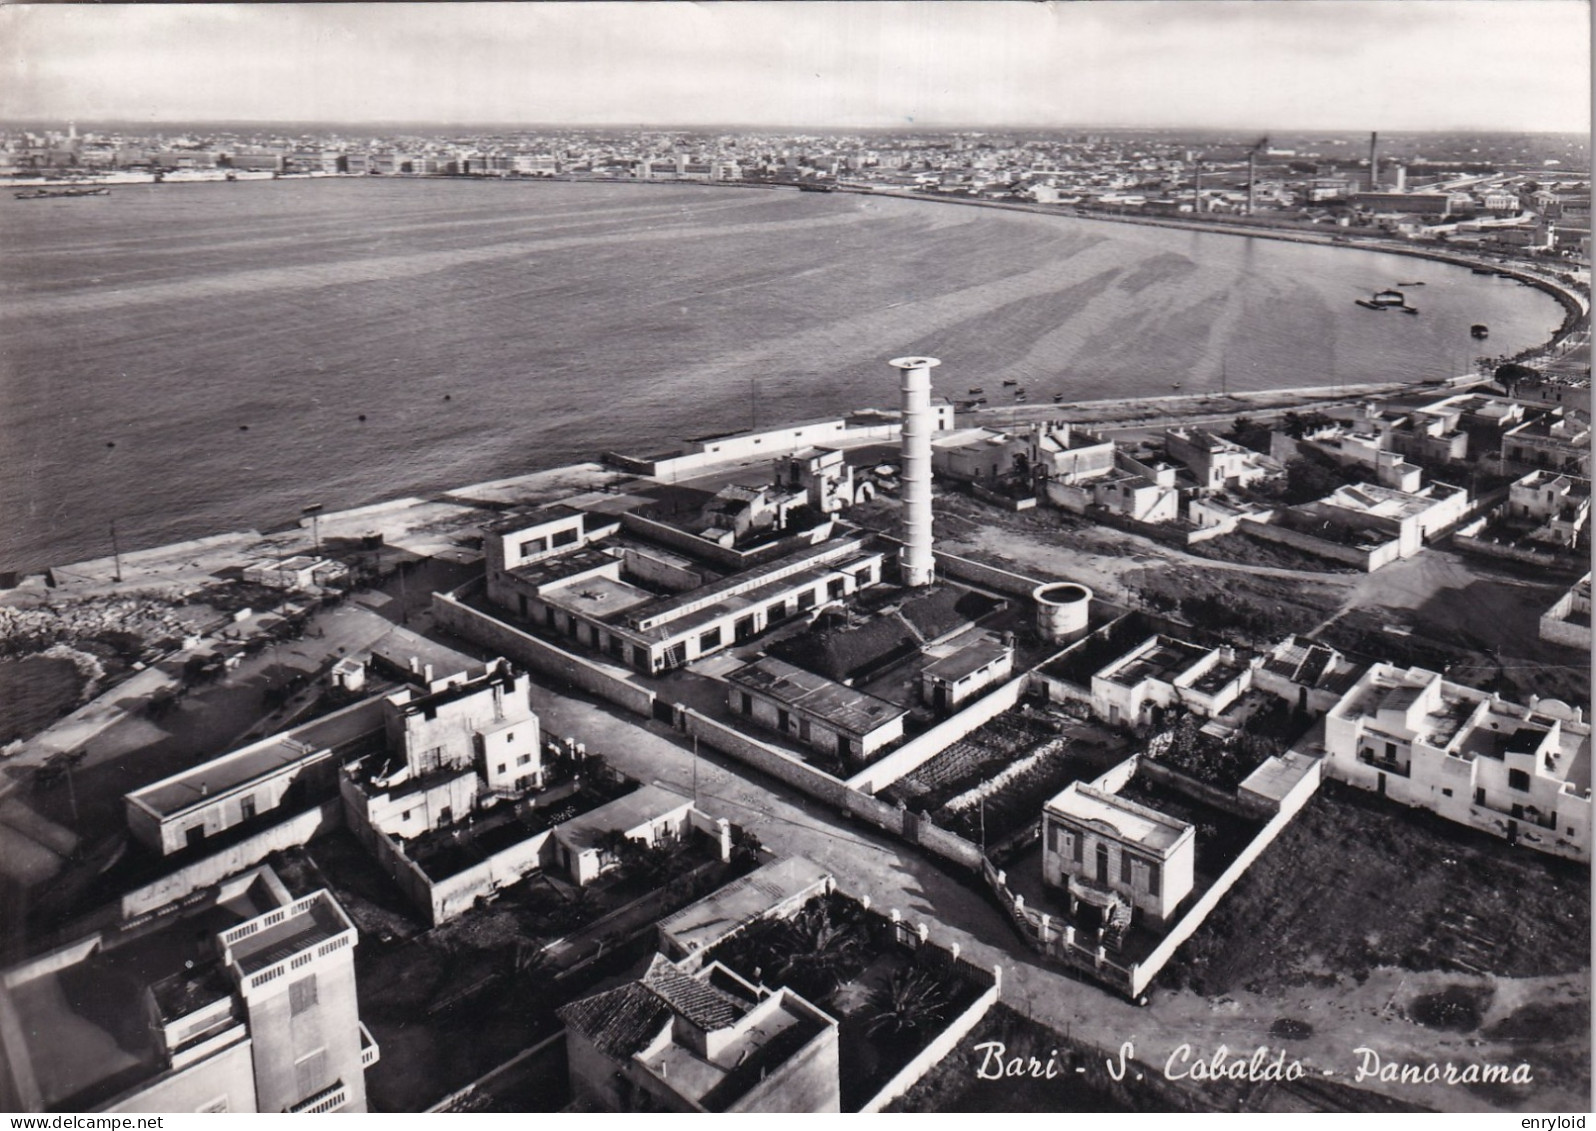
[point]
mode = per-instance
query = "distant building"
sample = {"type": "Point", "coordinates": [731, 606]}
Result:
{"type": "Point", "coordinates": [1215, 463]}
{"type": "Point", "coordinates": [244, 1002]}
{"type": "Point", "coordinates": [703, 1041]}
{"type": "Point", "coordinates": [299, 572]}
{"type": "Point", "coordinates": [1558, 440]}
{"type": "Point", "coordinates": [1556, 506]}
{"type": "Point", "coordinates": [1404, 203]}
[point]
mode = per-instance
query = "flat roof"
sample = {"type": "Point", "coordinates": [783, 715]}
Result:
{"type": "Point", "coordinates": [85, 1034]}
{"type": "Point", "coordinates": [701, 925]}
{"type": "Point", "coordinates": [602, 598]}
{"type": "Point", "coordinates": [856, 712]}
{"type": "Point", "coordinates": [1165, 660]}
{"type": "Point", "coordinates": [1126, 820]}
{"type": "Point", "coordinates": [205, 782]}
{"type": "Point", "coordinates": [969, 658]}
{"type": "Point", "coordinates": [639, 807]}
{"type": "Point", "coordinates": [1279, 775]}
{"type": "Point", "coordinates": [529, 519]}
{"type": "Point", "coordinates": [399, 645]}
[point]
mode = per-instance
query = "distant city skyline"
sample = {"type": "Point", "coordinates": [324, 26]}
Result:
{"type": "Point", "coordinates": [1322, 65]}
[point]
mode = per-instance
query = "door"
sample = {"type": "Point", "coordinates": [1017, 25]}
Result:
{"type": "Point", "coordinates": [1512, 832]}
{"type": "Point", "coordinates": [1102, 864]}
{"type": "Point", "coordinates": [1380, 786]}
{"type": "Point", "coordinates": [745, 629]}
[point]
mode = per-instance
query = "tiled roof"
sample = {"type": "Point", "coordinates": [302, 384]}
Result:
{"type": "Point", "coordinates": [620, 1021]}
{"type": "Point", "coordinates": [699, 1002]}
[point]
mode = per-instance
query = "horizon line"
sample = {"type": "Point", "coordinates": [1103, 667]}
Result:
{"type": "Point", "coordinates": [939, 127]}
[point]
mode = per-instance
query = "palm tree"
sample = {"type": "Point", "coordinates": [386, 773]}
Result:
{"type": "Point", "coordinates": [913, 999]}
{"type": "Point", "coordinates": [822, 950]}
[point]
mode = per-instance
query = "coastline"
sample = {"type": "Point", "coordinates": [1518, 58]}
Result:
{"type": "Point", "coordinates": [428, 526]}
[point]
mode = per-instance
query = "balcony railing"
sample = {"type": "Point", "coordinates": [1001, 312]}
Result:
{"type": "Point", "coordinates": [328, 1099]}
{"type": "Point", "coordinates": [1389, 765]}
{"type": "Point", "coordinates": [369, 1052]}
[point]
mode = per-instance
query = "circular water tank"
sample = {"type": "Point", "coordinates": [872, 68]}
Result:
{"type": "Point", "coordinates": [1062, 610]}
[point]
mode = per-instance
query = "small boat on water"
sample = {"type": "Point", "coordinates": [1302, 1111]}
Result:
{"type": "Point", "coordinates": [1367, 305]}
{"type": "Point", "coordinates": [1057, 397]}
{"type": "Point", "coordinates": [1482, 270]}
{"type": "Point", "coordinates": [1389, 298]}
{"type": "Point", "coordinates": [1409, 309]}
{"type": "Point", "coordinates": [42, 193]}
{"type": "Point", "coordinates": [1480, 330]}
{"type": "Point", "coordinates": [1006, 384]}
{"type": "Point", "coordinates": [1416, 283]}
{"type": "Point", "coordinates": [976, 391]}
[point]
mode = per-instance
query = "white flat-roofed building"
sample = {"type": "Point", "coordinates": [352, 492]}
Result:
{"type": "Point", "coordinates": [1094, 843]}
{"type": "Point", "coordinates": [963, 667]}
{"type": "Point", "coordinates": [1163, 672]}
{"type": "Point", "coordinates": [299, 572]}
{"type": "Point", "coordinates": [241, 1002]}
{"type": "Point", "coordinates": [1519, 772]}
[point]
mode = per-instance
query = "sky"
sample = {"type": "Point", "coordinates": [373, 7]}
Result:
{"type": "Point", "coordinates": [1511, 65]}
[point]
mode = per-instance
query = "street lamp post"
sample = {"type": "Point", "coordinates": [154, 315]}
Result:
{"type": "Point", "coordinates": [314, 511]}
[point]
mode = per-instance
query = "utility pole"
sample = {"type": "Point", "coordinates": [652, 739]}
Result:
{"type": "Point", "coordinates": [314, 511]}
{"type": "Point", "coordinates": [116, 553]}
{"type": "Point", "coordinates": [695, 769]}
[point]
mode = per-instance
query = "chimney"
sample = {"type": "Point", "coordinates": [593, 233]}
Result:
{"type": "Point", "coordinates": [415, 665]}
{"type": "Point", "coordinates": [915, 560]}
{"type": "Point", "coordinates": [426, 674]}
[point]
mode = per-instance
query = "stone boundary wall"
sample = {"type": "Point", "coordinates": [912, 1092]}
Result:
{"type": "Point", "coordinates": [988, 577]}
{"type": "Point", "coordinates": [918, 751]}
{"type": "Point", "coordinates": [209, 870]}
{"type": "Point", "coordinates": [1366, 560]}
{"type": "Point", "coordinates": [539, 655]}
{"type": "Point", "coordinates": [778, 764]}
{"type": "Point", "coordinates": [1142, 973]}
{"type": "Point", "coordinates": [930, 1056]}
{"type": "Point", "coordinates": [1233, 803]}
{"type": "Point", "coordinates": [1465, 539]}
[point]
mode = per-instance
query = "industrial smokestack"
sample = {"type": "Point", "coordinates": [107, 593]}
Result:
{"type": "Point", "coordinates": [1374, 161]}
{"type": "Point", "coordinates": [915, 561]}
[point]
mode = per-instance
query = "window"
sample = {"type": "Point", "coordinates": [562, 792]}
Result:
{"type": "Point", "coordinates": [310, 1073]}
{"type": "Point", "coordinates": [776, 612]}
{"type": "Point", "coordinates": [523, 759]}
{"type": "Point", "coordinates": [748, 703]}
{"type": "Point", "coordinates": [1519, 780]}
{"type": "Point", "coordinates": [835, 588]}
{"type": "Point", "coordinates": [710, 639]}
{"type": "Point", "coordinates": [301, 995]}
{"type": "Point", "coordinates": [533, 546]}
{"type": "Point", "coordinates": [1479, 796]}
{"type": "Point", "coordinates": [1390, 752]}
{"type": "Point", "coordinates": [1446, 793]}
{"type": "Point", "coordinates": [1124, 867]}
{"type": "Point", "coordinates": [1078, 844]}
{"type": "Point", "coordinates": [1153, 877]}
{"type": "Point", "coordinates": [564, 537]}
{"type": "Point", "coordinates": [1052, 838]}
{"type": "Point", "coordinates": [246, 808]}
{"type": "Point", "coordinates": [405, 816]}
{"type": "Point", "coordinates": [509, 737]}
{"type": "Point", "coordinates": [782, 720]}
{"type": "Point", "coordinates": [807, 599]}
{"type": "Point", "coordinates": [502, 768]}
